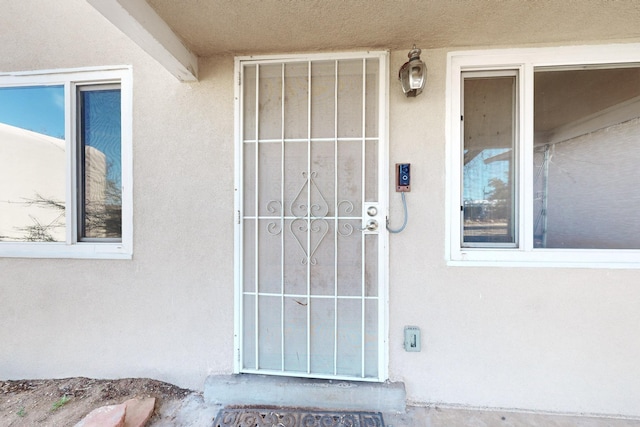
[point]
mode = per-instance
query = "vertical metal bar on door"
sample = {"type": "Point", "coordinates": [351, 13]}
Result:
{"type": "Point", "coordinates": [282, 82]}
{"type": "Point", "coordinates": [308, 218]}
{"type": "Point", "coordinates": [364, 198]}
{"type": "Point", "coordinates": [335, 223]}
{"type": "Point", "coordinates": [257, 221]}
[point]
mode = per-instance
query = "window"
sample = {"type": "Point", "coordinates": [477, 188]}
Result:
{"type": "Point", "coordinates": [489, 147]}
{"type": "Point", "coordinates": [65, 164]}
{"type": "Point", "coordinates": [544, 152]}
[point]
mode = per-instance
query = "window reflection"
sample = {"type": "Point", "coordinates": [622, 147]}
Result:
{"type": "Point", "coordinates": [488, 163]}
{"type": "Point", "coordinates": [101, 162]}
{"type": "Point", "coordinates": [586, 156]}
{"type": "Point", "coordinates": [32, 164]}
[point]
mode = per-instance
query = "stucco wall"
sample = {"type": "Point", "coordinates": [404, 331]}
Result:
{"type": "Point", "coordinates": [550, 339]}
{"type": "Point", "coordinates": [547, 339]}
{"type": "Point", "coordinates": [167, 313]}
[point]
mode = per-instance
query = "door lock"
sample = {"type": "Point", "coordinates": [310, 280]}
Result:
{"type": "Point", "coordinates": [372, 225]}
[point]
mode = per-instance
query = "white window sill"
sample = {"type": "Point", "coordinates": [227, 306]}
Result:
{"type": "Point", "coordinates": [564, 258]}
{"type": "Point", "coordinates": [63, 250]}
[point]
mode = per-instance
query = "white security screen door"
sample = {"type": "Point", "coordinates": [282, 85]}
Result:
{"type": "Point", "coordinates": [310, 234]}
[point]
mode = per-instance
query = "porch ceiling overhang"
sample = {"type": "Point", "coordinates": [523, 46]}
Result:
{"type": "Point", "coordinates": [210, 27]}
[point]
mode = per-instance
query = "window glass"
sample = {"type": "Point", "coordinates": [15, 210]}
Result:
{"type": "Point", "coordinates": [100, 135]}
{"type": "Point", "coordinates": [586, 157]}
{"type": "Point", "coordinates": [32, 164]}
{"type": "Point", "coordinates": [488, 171]}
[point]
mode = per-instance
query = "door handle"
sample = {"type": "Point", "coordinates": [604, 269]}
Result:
{"type": "Point", "coordinates": [372, 225]}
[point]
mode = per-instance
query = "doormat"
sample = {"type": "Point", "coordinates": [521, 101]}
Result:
{"type": "Point", "coordinates": [258, 417]}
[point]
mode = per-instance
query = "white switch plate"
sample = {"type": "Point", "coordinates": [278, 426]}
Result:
{"type": "Point", "coordinates": [412, 338]}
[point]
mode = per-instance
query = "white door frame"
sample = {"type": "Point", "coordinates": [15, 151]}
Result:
{"type": "Point", "coordinates": [383, 185]}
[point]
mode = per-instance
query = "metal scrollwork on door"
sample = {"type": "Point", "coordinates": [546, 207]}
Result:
{"type": "Point", "coordinates": [300, 226]}
{"type": "Point", "coordinates": [274, 207]}
{"type": "Point", "coordinates": [346, 229]}
{"type": "Point", "coordinates": [298, 207]}
{"type": "Point", "coordinates": [308, 218]}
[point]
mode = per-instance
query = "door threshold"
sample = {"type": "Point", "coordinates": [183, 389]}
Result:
{"type": "Point", "coordinates": [266, 390]}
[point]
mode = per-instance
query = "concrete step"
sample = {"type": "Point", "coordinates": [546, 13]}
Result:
{"type": "Point", "coordinates": [252, 390]}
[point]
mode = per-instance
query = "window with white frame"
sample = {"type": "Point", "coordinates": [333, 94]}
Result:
{"type": "Point", "coordinates": [544, 152]}
{"type": "Point", "coordinates": [65, 164]}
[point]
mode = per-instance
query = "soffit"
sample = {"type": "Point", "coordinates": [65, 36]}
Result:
{"type": "Point", "coordinates": [210, 27]}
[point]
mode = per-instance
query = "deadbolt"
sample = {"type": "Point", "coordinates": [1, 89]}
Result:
{"type": "Point", "coordinates": [372, 211]}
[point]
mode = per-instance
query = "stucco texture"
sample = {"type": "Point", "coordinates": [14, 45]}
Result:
{"type": "Point", "coordinates": [549, 339]}
{"type": "Point", "coordinates": [264, 26]}
{"type": "Point", "coordinates": [168, 313]}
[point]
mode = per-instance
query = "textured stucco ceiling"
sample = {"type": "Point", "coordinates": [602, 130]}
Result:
{"type": "Point", "coordinates": [209, 27]}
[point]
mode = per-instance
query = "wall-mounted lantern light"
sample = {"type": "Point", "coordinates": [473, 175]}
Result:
{"type": "Point", "coordinates": [413, 73]}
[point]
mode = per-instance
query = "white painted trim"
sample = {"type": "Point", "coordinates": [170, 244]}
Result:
{"type": "Point", "coordinates": [526, 60]}
{"type": "Point", "coordinates": [138, 21]}
{"type": "Point", "coordinates": [56, 73]}
{"type": "Point", "coordinates": [525, 156]}
{"type": "Point", "coordinates": [306, 375]}
{"type": "Point", "coordinates": [126, 93]}
{"type": "Point", "coordinates": [383, 262]}
{"type": "Point", "coordinates": [269, 59]}
{"type": "Point", "coordinates": [72, 248]}
{"type": "Point", "coordinates": [518, 165]}
{"type": "Point", "coordinates": [237, 214]}
{"type": "Point", "coordinates": [71, 147]}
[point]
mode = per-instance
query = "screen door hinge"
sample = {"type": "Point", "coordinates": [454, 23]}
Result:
{"type": "Point", "coordinates": [238, 218]}
{"type": "Point", "coordinates": [239, 78]}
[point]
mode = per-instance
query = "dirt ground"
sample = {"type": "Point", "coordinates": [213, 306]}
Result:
{"type": "Point", "coordinates": [64, 402]}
